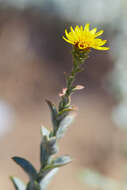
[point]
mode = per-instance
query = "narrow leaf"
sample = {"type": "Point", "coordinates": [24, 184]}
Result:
{"type": "Point", "coordinates": [26, 166]}
{"type": "Point", "coordinates": [63, 126]}
{"type": "Point", "coordinates": [46, 180]}
{"type": "Point", "coordinates": [53, 114]}
{"type": "Point", "coordinates": [19, 185]}
{"type": "Point", "coordinates": [45, 131]}
{"type": "Point", "coordinates": [57, 162]}
{"type": "Point", "coordinates": [52, 146]}
{"type": "Point", "coordinates": [48, 147]}
{"type": "Point", "coordinates": [43, 152]}
{"type": "Point", "coordinates": [62, 160]}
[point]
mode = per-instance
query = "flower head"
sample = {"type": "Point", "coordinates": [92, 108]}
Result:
{"type": "Point", "coordinates": [84, 38]}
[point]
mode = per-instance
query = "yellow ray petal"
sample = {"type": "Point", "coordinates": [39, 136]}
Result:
{"type": "Point", "coordinates": [86, 28]}
{"type": "Point", "coordinates": [66, 33]}
{"type": "Point", "coordinates": [77, 28]}
{"type": "Point", "coordinates": [100, 42]}
{"type": "Point", "coordinates": [71, 29]}
{"type": "Point", "coordinates": [69, 36]}
{"type": "Point", "coordinates": [99, 33]}
{"type": "Point", "coordinates": [69, 41]}
{"type": "Point", "coordinates": [101, 48]}
{"type": "Point", "coordinates": [93, 31]}
{"type": "Point", "coordinates": [81, 28]}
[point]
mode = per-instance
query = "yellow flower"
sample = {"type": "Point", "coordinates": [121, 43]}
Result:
{"type": "Point", "coordinates": [84, 38]}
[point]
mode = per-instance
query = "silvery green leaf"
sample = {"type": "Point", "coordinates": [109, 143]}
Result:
{"type": "Point", "coordinates": [44, 155]}
{"type": "Point", "coordinates": [46, 180]}
{"type": "Point", "coordinates": [62, 160]}
{"type": "Point", "coordinates": [45, 131]}
{"type": "Point", "coordinates": [54, 113]}
{"type": "Point", "coordinates": [19, 185]}
{"type": "Point", "coordinates": [48, 147]}
{"type": "Point", "coordinates": [26, 166]}
{"type": "Point", "coordinates": [52, 146]}
{"type": "Point", "coordinates": [63, 126]}
{"type": "Point", "coordinates": [55, 163]}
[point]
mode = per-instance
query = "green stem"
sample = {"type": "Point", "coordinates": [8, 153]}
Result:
{"type": "Point", "coordinates": [78, 59]}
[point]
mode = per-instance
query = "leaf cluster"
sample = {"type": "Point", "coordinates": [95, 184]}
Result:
{"type": "Point", "coordinates": [49, 165]}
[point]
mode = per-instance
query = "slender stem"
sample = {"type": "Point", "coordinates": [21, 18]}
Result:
{"type": "Point", "coordinates": [78, 59]}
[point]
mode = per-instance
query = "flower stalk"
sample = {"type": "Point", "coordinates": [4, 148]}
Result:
{"type": "Point", "coordinates": [79, 58]}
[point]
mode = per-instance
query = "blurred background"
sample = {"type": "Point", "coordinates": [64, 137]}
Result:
{"type": "Point", "coordinates": [33, 58]}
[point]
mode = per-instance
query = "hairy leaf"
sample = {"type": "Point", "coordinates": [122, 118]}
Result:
{"type": "Point", "coordinates": [52, 146]}
{"type": "Point", "coordinates": [54, 113]}
{"type": "Point", "coordinates": [55, 163]}
{"type": "Point", "coordinates": [63, 126]}
{"type": "Point", "coordinates": [43, 152]}
{"type": "Point", "coordinates": [45, 132]}
{"type": "Point", "coordinates": [48, 147]}
{"type": "Point", "coordinates": [46, 180]}
{"type": "Point", "coordinates": [19, 185]}
{"type": "Point", "coordinates": [62, 160]}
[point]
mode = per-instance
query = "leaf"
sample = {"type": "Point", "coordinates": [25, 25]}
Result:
{"type": "Point", "coordinates": [46, 180]}
{"type": "Point", "coordinates": [63, 126]}
{"type": "Point", "coordinates": [61, 161]}
{"type": "Point", "coordinates": [52, 146]}
{"type": "Point", "coordinates": [45, 132]}
{"type": "Point", "coordinates": [43, 152]}
{"type": "Point", "coordinates": [48, 147]}
{"type": "Point", "coordinates": [57, 162]}
{"type": "Point", "coordinates": [54, 113]}
{"type": "Point", "coordinates": [19, 185]}
{"type": "Point", "coordinates": [27, 167]}
{"type": "Point", "coordinates": [62, 114]}
{"type": "Point", "coordinates": [78, 87]}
